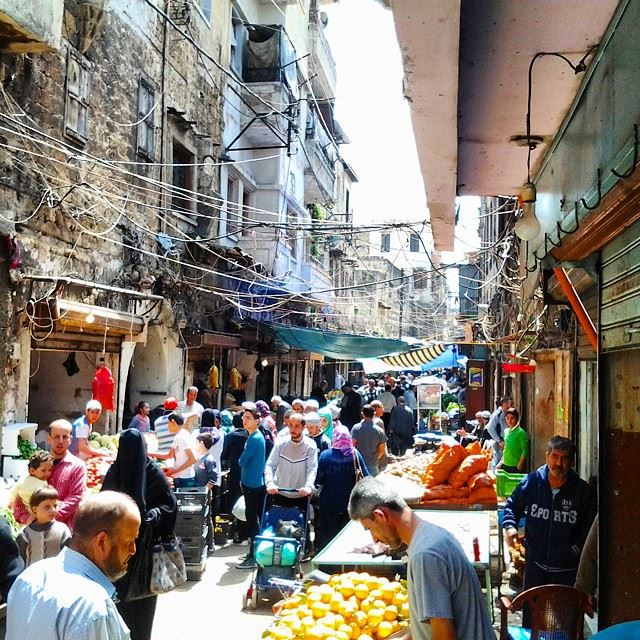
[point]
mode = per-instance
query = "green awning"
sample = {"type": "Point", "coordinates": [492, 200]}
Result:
{"type": "Point", "coordinates": [341, 346]}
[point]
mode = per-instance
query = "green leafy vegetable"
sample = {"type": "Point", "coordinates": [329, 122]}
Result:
{"type": "Point", "coordinates": [8, 516]}
{"type": "Point", "coordinates": [26, 448]}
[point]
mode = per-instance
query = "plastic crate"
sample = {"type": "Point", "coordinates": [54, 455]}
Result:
{"type": "Point", "coordinates": [193, 500]}
{"type": "Point", "coordinates": [199, 539]}
{"type": "Point", "coordinates": [194, 553]}
{"type": "Point", "coordinates": [507, 482]}
{"type": "Point", "coordinates": [190, 526]}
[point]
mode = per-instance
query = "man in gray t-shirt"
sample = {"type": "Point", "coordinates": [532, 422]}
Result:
{"type": "Point", "coordinates": [369, 439]}
{"type": "Point", "coordinates": [445, 599]}
{"type": "Point", "coordinates": [442, 584]}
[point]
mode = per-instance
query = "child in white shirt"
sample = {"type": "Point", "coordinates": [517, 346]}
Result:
{"type": "Point", "coordinates": [183, 471]}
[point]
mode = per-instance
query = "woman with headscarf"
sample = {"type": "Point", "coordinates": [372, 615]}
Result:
{"type": "Point", "coordinates": [226, 421]}
{"type": "Point", "coordinates": [140, 478]}
{"type": "Point", "coordinates": [335, 479]}
{"type": "Point", "coordinates": [266, 419]}
{"type": "Point", "coordinates": [326, 422]}
{"type": "Point", "coordinates": [267, 425]}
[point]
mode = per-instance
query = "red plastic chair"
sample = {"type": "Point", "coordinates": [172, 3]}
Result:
{"type": "Point", "coordinates": [557, 613]}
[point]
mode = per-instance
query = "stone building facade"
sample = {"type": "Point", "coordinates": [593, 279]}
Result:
{"type": "Point", "coordinates": [123, 205]}
{"type": "Point", "coordinates": [104, 143]}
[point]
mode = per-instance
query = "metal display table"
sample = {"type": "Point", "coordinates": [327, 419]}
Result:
{"type": "Point", "coordinates": [464, 525]}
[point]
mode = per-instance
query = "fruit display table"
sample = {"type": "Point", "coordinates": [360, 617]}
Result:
{"type": "Point", "coordinates": [465, 525]}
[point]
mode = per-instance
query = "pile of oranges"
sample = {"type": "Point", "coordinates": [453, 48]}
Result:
{"type": "Point", "coordinates": [351, 606]}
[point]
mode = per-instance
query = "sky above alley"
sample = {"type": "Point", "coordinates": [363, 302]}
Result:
{"type": "Point", "coordinates": [373, 112]}
{"type": "Point", "coordinates": [371, 108]}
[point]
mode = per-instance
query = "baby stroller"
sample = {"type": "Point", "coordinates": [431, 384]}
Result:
{"type": "Point", "coordinates": [278, 551]}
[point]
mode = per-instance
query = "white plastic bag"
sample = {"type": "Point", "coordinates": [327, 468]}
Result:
{"type": "Point", "coordinates": [239, 509]}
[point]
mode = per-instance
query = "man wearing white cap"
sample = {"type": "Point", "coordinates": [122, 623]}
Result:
{"type": "Point", "coordinates": [312, 422]}
{"type": "Point", "coordinates": [311, 406]}
{"type": "Point", "coordinates": [81, 429]}
{"type": "Point", "coordinates": [479, 432]}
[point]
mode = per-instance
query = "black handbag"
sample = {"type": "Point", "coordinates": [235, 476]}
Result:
{"type": "Point", "coordinates": [136, 583]}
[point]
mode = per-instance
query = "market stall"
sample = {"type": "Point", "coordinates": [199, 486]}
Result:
{"type": "Point", "coordinates": [345, 550]}
{"type": "Point", "coordinates": [429, 398]}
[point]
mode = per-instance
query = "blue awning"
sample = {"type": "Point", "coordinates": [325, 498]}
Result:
{"type": "Point", "coordinates": [341, 346]}
{"type": "Point", "coordinates": [450, 358]}
{"type": "Point", "coordinates": [254, 297]}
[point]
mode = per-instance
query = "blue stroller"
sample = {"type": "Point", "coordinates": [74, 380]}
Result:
{"type": "Point", "coordinates": [278, 552]}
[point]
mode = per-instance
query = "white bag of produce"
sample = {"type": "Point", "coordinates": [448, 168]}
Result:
{"type": "Point", "coordinates": [239, 509]}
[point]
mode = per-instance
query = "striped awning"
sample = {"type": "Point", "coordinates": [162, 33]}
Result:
{"type": "Point", "coordinates": [416, 357]}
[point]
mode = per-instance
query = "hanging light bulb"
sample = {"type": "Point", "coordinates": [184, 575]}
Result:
{"type": "Point", "coordinates": [527, 227]}
{"type": "Point", "coordinates": [90, 318]}
{"type": "Point", "coordinates": [265, 362]}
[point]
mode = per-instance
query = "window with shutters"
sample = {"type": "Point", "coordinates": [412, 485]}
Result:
{"type": "Point", "coordinates": [237, 43]}
{"type": "Point", "coordinates": [182, 199]}
{"type": "Point", "coordinates": [76, 112]}
{"type": "Point", "coordinates": [146, 127]}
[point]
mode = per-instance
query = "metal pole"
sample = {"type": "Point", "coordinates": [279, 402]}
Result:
{"type": "Point", "coordinates": [401, 319]}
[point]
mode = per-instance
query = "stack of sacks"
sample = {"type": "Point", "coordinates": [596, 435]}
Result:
{"type": "Point", "coordinates": [459, 475]}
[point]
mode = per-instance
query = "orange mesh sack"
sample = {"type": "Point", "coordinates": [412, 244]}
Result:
{"type": "Point", "coordinates": [448, 502]}
{"type": "Point", "coordinates": [444, 492]}
{"type": "Point", "coordinates": [484, 495]}
{"type": "Point", "coordinates": [480, 480]}
{"type": "Point", "coordinates": [473, 448]}
{"type": "Point", "coordinates": [469, 467]}
{"type": "Point", "coordinates": [446, 460]}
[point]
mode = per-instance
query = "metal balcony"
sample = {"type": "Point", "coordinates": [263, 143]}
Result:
{"type": "Point", "coordinates": [322, 66]}
{"type": "Point", "coordinates": [319, 174]}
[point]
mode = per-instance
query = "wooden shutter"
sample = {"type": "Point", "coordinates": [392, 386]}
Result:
{"type": "Point", "coordinates": [76, 116]}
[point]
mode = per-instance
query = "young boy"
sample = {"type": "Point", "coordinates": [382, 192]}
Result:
{"type": "Point", "coordinates": [40, 467]}
{"type": "Point", "coordinates": [44, 537]}
{"type": "Point", "coordinates": [182, 472]}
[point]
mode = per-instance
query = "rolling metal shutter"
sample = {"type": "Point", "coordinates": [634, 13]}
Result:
{"type": "Point", "coordinates": [620, 289]}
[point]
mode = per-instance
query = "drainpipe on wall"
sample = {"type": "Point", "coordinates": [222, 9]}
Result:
{"type": "Point", "coordinates": [577, 306]}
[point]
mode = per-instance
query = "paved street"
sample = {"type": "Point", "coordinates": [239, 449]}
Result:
{"type": "Point", "coordinates": [214, 603]}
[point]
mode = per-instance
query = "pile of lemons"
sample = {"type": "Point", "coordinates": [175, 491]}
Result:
{"type": "Point", "coordinates": [351, 606]}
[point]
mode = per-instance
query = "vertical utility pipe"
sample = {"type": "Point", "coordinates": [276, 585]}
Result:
{"type": "Point", "coordinates": [401, 319]}
{"type": "Point", "coordinates": [577, 306]}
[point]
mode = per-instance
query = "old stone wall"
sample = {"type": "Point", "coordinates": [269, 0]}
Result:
{"type": "Point", "coordinates": [93, 211]}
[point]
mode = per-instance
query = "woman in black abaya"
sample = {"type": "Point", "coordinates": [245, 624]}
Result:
{"type": "Point", "coordinates": [139, 477]}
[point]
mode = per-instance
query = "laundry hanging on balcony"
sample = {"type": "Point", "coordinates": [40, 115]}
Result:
{"type": "Point", "coordinates": [270, 56]}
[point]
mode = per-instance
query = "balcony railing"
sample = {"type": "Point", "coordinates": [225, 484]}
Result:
{"type": "Point", "coordinates": [323, 66]}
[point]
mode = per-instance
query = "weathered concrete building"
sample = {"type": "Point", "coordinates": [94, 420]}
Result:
{"type": "Point", "coordinates": [146, 225]}
{"type": "Point", "coordinates": [108, 131]}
